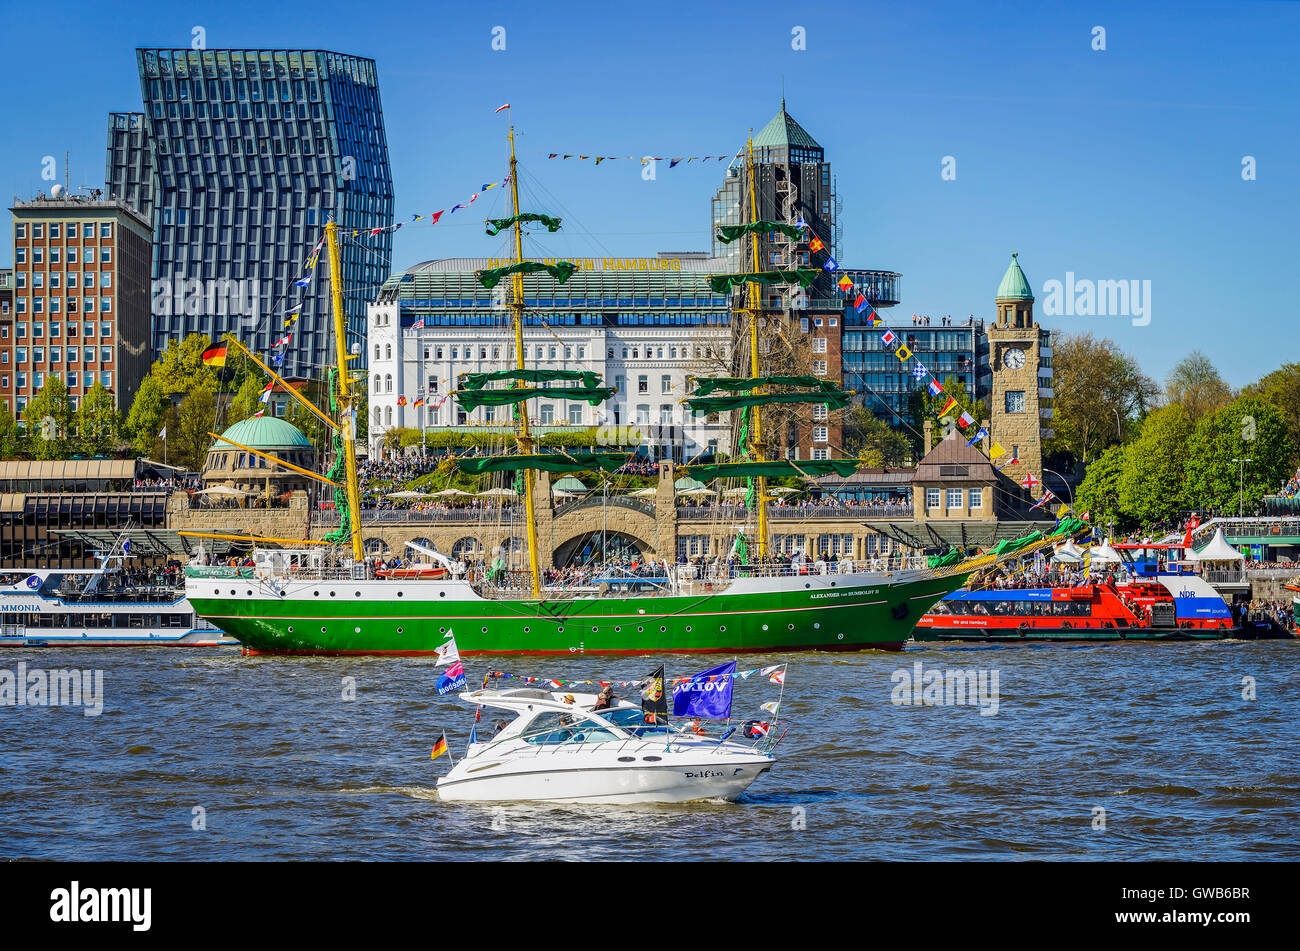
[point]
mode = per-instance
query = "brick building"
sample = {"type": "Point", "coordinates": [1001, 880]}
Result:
{"type": "Point", "coordinates": [80, 306]}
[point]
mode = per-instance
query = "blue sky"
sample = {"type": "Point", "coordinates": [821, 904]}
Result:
{"type": "Point", "coordinates": [1123, 164]}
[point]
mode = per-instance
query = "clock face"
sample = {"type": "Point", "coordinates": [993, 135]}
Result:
{"type": "Point", "coordinates": [1014, 358]}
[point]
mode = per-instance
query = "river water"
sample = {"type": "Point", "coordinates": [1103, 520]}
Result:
{"type": "Point", "coordinates": [1117, 751]}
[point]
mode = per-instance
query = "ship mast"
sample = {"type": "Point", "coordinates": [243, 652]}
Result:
{"type": "Point", "coordinates": [522, 436]}
{"type": "Point", "coordinates": [346, 400]}
{"type": "Point", "coordinates": [755, 311]}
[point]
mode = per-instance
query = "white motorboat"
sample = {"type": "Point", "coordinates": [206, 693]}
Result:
{"type": "Point", "coordinates": [560, 749]}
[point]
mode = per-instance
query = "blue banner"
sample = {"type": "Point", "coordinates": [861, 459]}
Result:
{"type": "Point", "coordinates": [707, 695]}
{"type": "Point", "coordinates": [453, 679]}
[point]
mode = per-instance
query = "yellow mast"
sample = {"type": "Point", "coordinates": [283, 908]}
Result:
{"type": "Point", "coordinates": [523, 437]}
{"type": "Point", "coordinates": [755, 311]}
{"type": "Point", "coordinates": [347, 409]}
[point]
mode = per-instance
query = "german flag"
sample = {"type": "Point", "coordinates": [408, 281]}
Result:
{"type": "Point", "coordinates": [440, 747]}
{"type": "Point", "coordinates": [215, 356]}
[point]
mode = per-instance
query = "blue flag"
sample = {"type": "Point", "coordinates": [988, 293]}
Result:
{"type": "Point", "coordinates": [707, 695]}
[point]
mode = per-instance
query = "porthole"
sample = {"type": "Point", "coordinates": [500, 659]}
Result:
{"type": "Point", "coordinates": [399, 594]}
{"type": "Point", "coordinates": [249, 593]}
{"type": "Point", "coordinates": [722, 627]}
{"type": "Point", "coordinates": [627, 759]}
{"type": "Point", "coordinates": [358, 594]}
{"type": "Point", "coordinates": [322, 630]}
{"type": "Point", "coordinates": [315, 594]}
{"type": "Point", "coordinates": [807, 585]}
{"type": "Point", "coordinates": [765, 627]}
{"type": "Point", "coordinates": [790, 626]}
{"type": "Point", "coordinates": [216, 590]}
{"type": "Point", "coordinates": [640, 630]}
{"type": "Point", "coordinates": [483, 630]}
{"type": "Point", "coordinates": [663, 630]}
{"type": "Point", "coordinates": [442, 594]}
{"type": "Point", "coordinates": [332, 593]}
{"type": "Point", "coordinates": [595, 630]}
{"type": "Point", "coordinates": [290, 628]}
{"type": "Point", "coordinates": [832, 584]}
{"type": "Point", "coordinates": [442, 630]}
{"type": "Point", "coordinates": [688, 629]}
{"type": "Point", "coordinates": [560, 629]}
{"type": "Point", "coordinates": [525, 630]}
{"type": "Point", "coordinates": [356, 630]}
{"type": "Point", "coordinates": [817, 625]}
{"type": "Point", "coordinates": [652, 759]}
{"type": "Point", "coordinates": [399, 630]}
{"type": "Point", "coordinates": [232, 591]}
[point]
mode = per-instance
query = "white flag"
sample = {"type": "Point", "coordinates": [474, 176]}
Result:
{"type": "Point", "coordinates": [772, 706]}
{"type": "Point", "coordinates": [447, 652]}
{"type": "Point", "coordinates": [163, 434]}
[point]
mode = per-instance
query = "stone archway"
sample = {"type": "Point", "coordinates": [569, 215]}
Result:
{"type": "Point", "coordinates": [628, 519]}
{"type": "Point", "coordinates": [587, 548]}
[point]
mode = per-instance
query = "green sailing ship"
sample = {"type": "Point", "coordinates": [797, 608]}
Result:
{"type": "Point", "coordinates": [326, 599]}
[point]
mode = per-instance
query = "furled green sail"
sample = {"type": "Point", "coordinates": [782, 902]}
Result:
{"type": "Point", "coordinates": [476, 381]}
{"type": "Point", "coordinates": [337, 473]}
{"type": "Point", "coordinates": [548, 462]}
{"type": "Point", "coordinates": [776, 468]}
{"type": "Point", "coordinates": [721, 283]}
{"type": "Point", "coordinates": [470, 400]}
{"type": "Point", "coordinates": [707, 384]}
{"type": "Point", "coordinates": [496, 225]}
{"type": "Point", "coordinates": [721, 404]}
{"type": "Point", "coordinates": [729, 233]}
{"type": "Point", "coordinates": [560, 270]}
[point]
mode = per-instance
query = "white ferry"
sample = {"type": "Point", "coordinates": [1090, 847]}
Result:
{"type": "Point", "coordinates": [107, 606]}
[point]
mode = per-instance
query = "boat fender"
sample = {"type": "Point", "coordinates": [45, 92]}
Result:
{"type": "Point", "coordinates": [900, 611]}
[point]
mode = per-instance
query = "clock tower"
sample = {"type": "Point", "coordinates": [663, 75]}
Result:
{"type": "Point", "coordinates": [1021, 363]}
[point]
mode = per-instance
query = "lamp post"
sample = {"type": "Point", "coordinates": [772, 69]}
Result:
{"type": "Point", "coordinates": [1063, 482]}
{"type": "Point", "coordinates": [1241, 486]}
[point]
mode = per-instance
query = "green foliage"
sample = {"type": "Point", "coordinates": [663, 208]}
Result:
{"type": "Point", "coordinates": [97, 423]}
{"type": "Point", "coordinates": [181, 368]}
{"type": "Point", "coordinates": [1282, 389]}
{"type": "Point", "coordinates": [1195, 385]}
{"type": "Point", "coordinates": [1099, 493]}
{"type": "Point", "coordinates": [1251, 428]}
{"type": "Point", "coordinates": [11, 437]}
{"type": "Point", "coordinates": [246, 400]}
{"type": "Point", "coordinates": [1097, 389]}
{"type": "Point", "coordinates": [49, 421]}
{"type": "Point", "coordinates": [873, 440]}
{"type": "Point", "coordinates": [922, 406]}
{"type": "Point", "coordinates": [187, 437]}
{"type": "Point", "coordinates": [1155, 463]}
{"type": "Point", "coordinates": [148, 414]}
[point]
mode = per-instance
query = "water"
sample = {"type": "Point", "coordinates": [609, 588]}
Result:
{"type": "Point", "coordinates": [1157, 735]}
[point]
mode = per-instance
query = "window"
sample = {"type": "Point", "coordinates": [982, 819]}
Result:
{"type": "Point", "coordinates": [665, 384]}
{"type": "Point", "coordinates": [954, 498]}
{"type": "Point", "coordinates": [666, 414]}
{"type": "Point", "coordinates": [105, 354]}
{"type": "Point", "coordinates": [548, 414]}
{"type": "Point", "coordinates": [72, 255]}
{"type": "Point", "coordinates": [643, 384]}
{"type": "Point", "coordinates": [820, 434]}
{"type": "Point", "coordinates": [105, 255]}
{"type": "Point", "coordinates": [821, 454]}
{"type": "Point", "coordinates": [819, 345]}
{"type": "Point", "coordinates": [932, 498]}
{"type": "Point", "coordinates": [106, 230]}
{"type": "Point", "coordinates": [575, 415]}
{"type": "Point", "coordinates": [105, 328]}
{"type": "Point", "coordinates": [643, 413]}
{"type": "Point", "coordinates": [819, 367]}
{"type": "Point", "coordinates": [88, 231]}
{"type": "Point", "coordinates": [38, 230]}
{"type": "Point", "coordinates": [20, 231]}
{"type": "Point", "coordinates": [1015, 401]}
{"type": "Point", "coordinates": [976, 498]}
{"type": "Point", "coordinates": [819, 411]}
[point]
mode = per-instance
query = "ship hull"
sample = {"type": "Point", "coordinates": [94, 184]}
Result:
{"type": "Point", "coordinates": [817, 612]}
{"type": "Point", "coordinates": [1072, 634]}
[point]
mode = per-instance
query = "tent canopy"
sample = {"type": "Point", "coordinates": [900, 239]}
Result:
{"type": "Point", "coordinates": [1103, 554]}
{"type": "Point", "coordinates": [1217, 550]}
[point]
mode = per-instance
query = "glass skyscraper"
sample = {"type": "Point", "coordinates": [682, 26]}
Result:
{"type": "Point", "coordinates": [240, 158]}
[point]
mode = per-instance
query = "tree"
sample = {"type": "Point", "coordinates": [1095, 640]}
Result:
{"type": "Point", "coordinates": [181, 368]}
{"type": "Point", "coordinates": [1195, 385]}
{"type": "Point", "coordinates": [1251, 428]}
{"type": "Point", "coordinates": [1155, 463]}
{"type": "Point", "coordinates": [1096, 389]}
{"type": "Point", "coordinates": [49, 419]}
{"type": "Point", "coordinates": [873, 440]}
{"type": "Point", "coordinates": [148, 415]}
{"type": "Point", "coordinates": [1282, 389]}
{"type": "Point", "coordinates": [11, 437]}
{"type": "Point", "coordinates": [247, 399]}
{"type": "Point", "coordinates": [188, 443]}
{"type": "Point", "coordinates": [97, 422]}
{"type": "Point", "coordinates": [1099, 493]}
{"type": "Point", "coordinates": [922, 406]}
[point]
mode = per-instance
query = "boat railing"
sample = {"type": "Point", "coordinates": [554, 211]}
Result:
{"type": "Point", "coordinates": [633, 743]}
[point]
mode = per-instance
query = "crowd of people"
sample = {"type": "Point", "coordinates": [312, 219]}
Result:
{"type": "Point", "coordinates": [188, 483]}
{"type": "Point", "coordinates": [1291, 488]}
{"type": "Point", "coordinates": [1269, 610]}
{"type": "Point", "coordinates": [923, 320]}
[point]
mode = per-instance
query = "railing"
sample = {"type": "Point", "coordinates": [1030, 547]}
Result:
{"type": "Point", "coordinates": [424, 516]}
{"type": "Point", "coordinates": [595, 501]}
{"type": "Point", "coordinates": [1231, 576]}
{"type": "Point", "coordinates": [798, 511]}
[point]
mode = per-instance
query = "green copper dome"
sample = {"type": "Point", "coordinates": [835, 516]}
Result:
{"type": "Point", "coordinates": [784, 132]}
{"type": "Point", "coordinates": [1014, 286]}
{"type": "Point", "coordinates": [267, 432]}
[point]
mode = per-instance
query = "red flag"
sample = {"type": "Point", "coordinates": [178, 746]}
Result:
{"type": "Point", "coordinates": [499, 108]}
{"type": "Point", "coordinates": [433, 218]}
